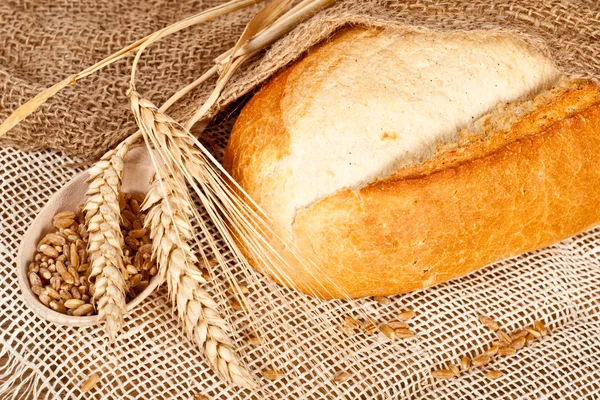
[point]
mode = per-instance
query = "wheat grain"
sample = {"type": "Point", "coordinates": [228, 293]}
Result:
{"type": "Point", "coordinates": [541, 328]}
{"type": "Point", "coordinates": [488, 322]}
{"type": "Point", "coordinates": [535, 333]}
{"type": "Point", "coordinates": [492, 351]}
{"type": "Point", "coordinates": [481, 361]}
{"type": "Point", "coordinates": [495, 374]}
{"type": "Point", "coordinates": [105, 242]}
{"type": "Point", "coordinates": [386, 301]}
{"type": "Point", "coordinates": [272, 374]}
{"type": "Point", "coordinates": [63, 272]}
{"type": "Point", "coordinates": [465, 363]}
{"type": "Point", "coordinates": [406, 315]}
{"type": "Point", "coordinates": [388, 331]}
{"type": "Point", "coordinates": [90, 383]}
{"type": "Point", "coordinates": [255, 340]}
{"type": "Point", "coordinates": [404, 333]}
{"type": "Point", "coordinates": [454, 370]}
{"type": "Point", "coordinates": [398, 324]}
{"type": "Point", "coordinates": [518, 334]}
{"type": "Point", "coordinates": [443, 374]}
{"type": "Point", "coordinates": [341, 377]}
{"type": "Point", "coordinates": [74, 303]}
{"type": "Point", "coordinates": [519, 343]}
{"type": "Point", "coordinates": [503, 337]}
{"type": "Point", "coordinates": [506, 351]}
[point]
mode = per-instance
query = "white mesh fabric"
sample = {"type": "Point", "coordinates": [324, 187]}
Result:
{"type": "Point", "coordinates": [151, 359]}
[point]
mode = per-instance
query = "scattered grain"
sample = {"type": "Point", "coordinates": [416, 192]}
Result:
{"type": "Point", "coordinates": [383, 300]}
{"type": "Point", "coordinates": [443, 374]}
{"type": "Point", "coordinates": [465, 363]}
{"type": "Point", "coordinates": [541, 328]}
{"type": "Point", "coordinates": [255, 340]}
{"type": "Point", "coordinates": [481, 361]}
{"type": "Point", "coordinates": [341, 376]}
{"type": "Point", "coordinates": [492, 351]}
{"type": "Point", "coordinates": [518, 344]}
{"type": "Point", "coordinates": [495, 374]}
{"type": "Point", "coordinates": [518, 334]}
{"type": "Point", "coordinates": [404, 333]}
{"type": "Point", "coordinates": [90, 383]}
{"type": "Point", "coordinates": [272, 374]}
{"type": "Point", "coordinates": [534, 332]}
{"type": "Point", "coordinates": [506, 351]}
{"type": "Point", "coordinates": [488, 322]}
{"type": "Point", "coordinates": [454, 369]}
{"type": "Point", "coordinates": [503, 337]}
{"type": "Point", "coordinates": [388, 331]}
{"type": "Point", "coordinates": [406, 315]}
{"type": "Point", "coordinates": [398, 324]}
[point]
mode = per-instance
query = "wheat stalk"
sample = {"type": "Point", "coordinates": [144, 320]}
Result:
{"type": "Point", "coordinates": [184, 156]}
{"type": "Point", "coordinates": [169, 207]}
{"type": "Point", "coordinates": [33, 104]}
{"type": "Point", "coordinates": [105, 245]}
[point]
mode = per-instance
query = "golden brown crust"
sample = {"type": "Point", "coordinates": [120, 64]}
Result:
{"type": "Point", "coordinates": [400, 235]}
{"type": "Point", "coordinates": [564, 103]}
{"type": "Point", "coordinates": [490, 197]}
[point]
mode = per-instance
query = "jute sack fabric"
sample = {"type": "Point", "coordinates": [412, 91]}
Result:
{"type": "Point", "coordinates": [45, 41]}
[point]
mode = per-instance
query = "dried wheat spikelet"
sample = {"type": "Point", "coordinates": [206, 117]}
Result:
{"type": "Point", "coordinates": [169, 208]}
{"type": "Point", "coordinates": [180, 153]}
{"type": "Point", "coordinates": [105, 239]}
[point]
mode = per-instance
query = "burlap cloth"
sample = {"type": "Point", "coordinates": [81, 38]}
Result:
{"type": "Point", "coordinates": [44, 41]}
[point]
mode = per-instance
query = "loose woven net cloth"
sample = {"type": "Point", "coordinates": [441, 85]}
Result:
{"type": "Point", "coordinates": [153, 359]}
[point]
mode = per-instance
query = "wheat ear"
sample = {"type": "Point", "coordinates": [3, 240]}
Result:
{"type": "Point", "coordinates": [105, 243]}
{"type": "Point", "coordinates": [169, 208]}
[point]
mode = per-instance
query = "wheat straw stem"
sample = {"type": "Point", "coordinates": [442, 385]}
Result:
{"type": "Point", "coordinates": [169, 208]}
{"type": "Point", "coordinates": [175, 143]}
{"type": "Point", "coordinates": [267, 29]}
{"type": "Point", "coordinates": [282, 26]}
{"type": "Point", "coordinates": [179, 149]}
{"type": "Point", "coordinates": [212, 99]}
{"type": "Point", "coordinates": [33, 104]}
{"type": "Point", "coordinates": [105, 244]}
{"type": "Point", "coordinates": [171, 142]}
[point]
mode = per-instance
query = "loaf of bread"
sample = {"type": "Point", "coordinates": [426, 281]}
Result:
{"type": "Point", "coordinates": [398, 160]}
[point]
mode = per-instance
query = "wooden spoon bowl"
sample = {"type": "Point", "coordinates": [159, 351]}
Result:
{"type": "Point", "coordinates": [138, 170]}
